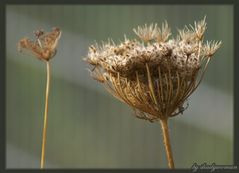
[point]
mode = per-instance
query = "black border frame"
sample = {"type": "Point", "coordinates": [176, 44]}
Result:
{"type": "Point", "coordinates": [4, 3]}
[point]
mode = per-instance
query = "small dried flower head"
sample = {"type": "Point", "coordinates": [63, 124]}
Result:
{"type": "Point", "coordinates": [211, 47]}
{"type": "Point", "coordinates": [193, 33]}
{"type": "Point", "coordinates": [187, 35]}
{"type": "Point", "coordinates": [153, 32]}
{"type": "Point", "coordinates": [147, 33]}
{"type": "Point", "coordinates": [199, 28]}
{"type": "Point", "coordinates": [44, 47]}
{"type": "Point", "coordinates": [163, 33]}
{"type": "Point", "coordinates": [155, 79]}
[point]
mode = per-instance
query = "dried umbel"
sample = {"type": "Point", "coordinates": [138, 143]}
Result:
{"type": "Point", "coordinates": [44, 48]}
{"type": "Point", "coordinates": [155, 75]}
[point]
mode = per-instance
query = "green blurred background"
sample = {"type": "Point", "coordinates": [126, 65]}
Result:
{"type": "Point", "coordinates": [87, 127]}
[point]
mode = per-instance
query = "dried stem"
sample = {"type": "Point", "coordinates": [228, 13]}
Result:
{"type": "Point", "coordinates": [45, 116]}
{"type": "Point", "coordinates": [164, 125]}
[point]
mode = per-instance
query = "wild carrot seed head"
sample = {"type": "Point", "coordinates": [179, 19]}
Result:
{"type": "Point", "coordinates": [155, 76]}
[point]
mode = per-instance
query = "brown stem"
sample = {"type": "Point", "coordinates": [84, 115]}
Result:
{"type": "Point", "coordinates": [45, 116]}
{"type": "Point", "coordinates": [164, 125]}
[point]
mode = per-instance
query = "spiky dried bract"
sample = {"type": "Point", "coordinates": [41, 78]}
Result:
{"type": "Point", "coordinates": [155, 78]}
{"type": "Point", "coordinates": [44, 47]}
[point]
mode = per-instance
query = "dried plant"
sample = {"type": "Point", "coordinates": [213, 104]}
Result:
{"type": "Point", "coordinates": [154, 77]}
{"type": "Point", "coordinates": [44, 48]}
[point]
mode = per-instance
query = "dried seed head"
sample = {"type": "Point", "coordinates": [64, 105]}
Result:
{"type": "Point", "coordinates": [187, 36]}
{"type": "Point", "coordinates": [163, 33]}
{"type": "Point", "coordinates": [211, 47]}
{"type": "Point", "coordinates": [147, 33]}
{"type": "Point", "coordinates": [153, 32]}
{"type": "Point", "coordinates": [199, 28]}
{"type": "Point", "coordinates": [44, 47]}
{"type": "Point", "coordinates": [154, 79]}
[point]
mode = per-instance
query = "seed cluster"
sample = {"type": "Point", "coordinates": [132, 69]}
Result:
{"type": "Point", "coordinates": [156, 74]}
{"type": "Point", "coordinates": [44, 47]}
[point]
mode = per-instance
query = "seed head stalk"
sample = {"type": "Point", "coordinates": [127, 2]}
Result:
{"type": "Point", "coordinates": [167, 145]}
{"type": "Point", "coordinates": [44, 131]}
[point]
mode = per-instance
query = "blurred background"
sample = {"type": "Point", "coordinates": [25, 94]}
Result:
{"type": "Point", "coordinates": [87, 127]}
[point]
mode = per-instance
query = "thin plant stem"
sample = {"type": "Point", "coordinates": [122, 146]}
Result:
{"type": "Point", "coordinates": [45, 116]}
{"type": "Point", "coordinates": [164, 125]}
